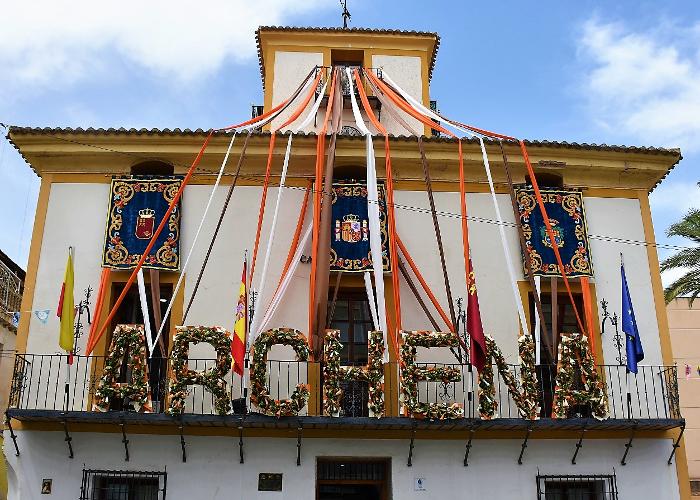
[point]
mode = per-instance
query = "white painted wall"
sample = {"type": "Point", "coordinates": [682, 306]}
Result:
{"type": "Point", "coordinates": [406, 72]}
{"type": "Point", "coordinates": [76, 216]}
{"type": "Point", "coordinates": [290, 70]}
{"type": "Point", "coordinates": [497, 305]}
{"type": "Point", "coordinates": [68, 222]}
{"type": "Point", "coordinates": [213, 471]}
{"type": "Point", "coordinates": [620, 218]}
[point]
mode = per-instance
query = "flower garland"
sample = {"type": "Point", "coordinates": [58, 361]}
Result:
{"type": "Point", "coordinates": [582, 388]}
{"type": "Point", "coordinates": [334, 374]}
{"type": "Point", "coordinates": [525, 394]}
{"type": "Point", "coordinates": [411, 374]}
{"type": "Point", "coordinates": [126, 338]}
{"type": "Point", "coordinates": [212, 378]}
{"type": "Point", "coordinates": [259, 394]}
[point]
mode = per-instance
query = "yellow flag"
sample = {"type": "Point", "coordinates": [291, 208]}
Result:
{"type": "Point", "coordinates": [66, 307]}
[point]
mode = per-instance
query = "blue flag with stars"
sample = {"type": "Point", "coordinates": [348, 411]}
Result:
{"type": "Point", "coordinates": [633, 344]}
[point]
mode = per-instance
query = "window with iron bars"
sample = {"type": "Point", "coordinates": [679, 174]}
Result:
{"type": "Point", "coordinates": [576, 487]}
{"type": "Point", "coordinates": [123, 485]}
{"type": "Point", "coordinates": [434, 107]}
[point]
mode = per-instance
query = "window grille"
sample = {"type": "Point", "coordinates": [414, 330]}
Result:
{"type": "Point", "coordinates": [434, 107]}
{"type": "Point", "coordinates": [123, 485]}
{"type": "Point", "coordinates": [256, 110]}
{"type": "Point", "coordinates": [575, 487]}
{"type": "Point", "coordinates": [351, 470]}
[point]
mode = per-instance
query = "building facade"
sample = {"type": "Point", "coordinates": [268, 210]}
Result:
{"type": "Point", "coordinates": [64, 438]}
{"type": "Point", "coordinates": [684, 325]}
{"type": "Point", "coordinates": [11, 286]}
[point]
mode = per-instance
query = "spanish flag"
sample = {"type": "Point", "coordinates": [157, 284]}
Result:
{"type": "Point", "coordinates": [66, 307]}
{"type": "Point", "coordinates": [240, 327]}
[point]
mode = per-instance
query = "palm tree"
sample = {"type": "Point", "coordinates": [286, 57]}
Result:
{"type": "Point", "coordinates": [687, 259]}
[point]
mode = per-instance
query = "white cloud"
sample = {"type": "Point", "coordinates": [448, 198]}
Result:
{"type": "Point", "coordinates": [675, 196]}
{"type": "Point", "coordinates": [54, 42]}
{"type": "Point", "coordinates": [644, 84]}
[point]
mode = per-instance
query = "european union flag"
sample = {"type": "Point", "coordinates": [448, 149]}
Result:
{"type": "Point", "coordinates": [633, 344]}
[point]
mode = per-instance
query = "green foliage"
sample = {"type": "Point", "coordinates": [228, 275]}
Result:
{"type": "Point", "coordinates": [259, 393]}
{"type": "Point", "coordinates": [211, 379]}
{"type": "Point", "coordinates": [688, 259]}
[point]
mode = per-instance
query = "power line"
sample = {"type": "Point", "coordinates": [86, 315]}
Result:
{"type": "Point", "coordinates": [398, 206]}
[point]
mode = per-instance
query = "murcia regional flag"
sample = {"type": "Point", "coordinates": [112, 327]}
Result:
{"type": "Point", "coordinates": [240, 326]}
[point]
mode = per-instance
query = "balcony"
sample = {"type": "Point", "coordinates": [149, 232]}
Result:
{"type": "Point", "coordinates": [45, 388]}
{"type": "Point", "coordinates": [10, 296]}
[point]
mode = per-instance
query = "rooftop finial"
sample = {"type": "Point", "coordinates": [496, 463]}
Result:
{"type": "Point", "coordinates": [346, 13]}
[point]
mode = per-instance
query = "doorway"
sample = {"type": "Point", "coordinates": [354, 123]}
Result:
{"type": "Point", "coordinates": [352, 479]}
{"type": "Point", "coordinates": [350, 314]}
{"type": "Point", "coordinates": [129, 312]}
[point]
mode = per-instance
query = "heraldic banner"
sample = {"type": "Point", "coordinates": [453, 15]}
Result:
{"type": "Point", "coordinates": [350, 249]}
{"type": "Point", "coordinates": [136, 207]}
{"type": "Point", "coordinates": [568, 220]}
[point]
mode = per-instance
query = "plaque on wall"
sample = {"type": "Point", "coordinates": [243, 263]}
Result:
{"type": "Point", "coordinates": [269, 481]}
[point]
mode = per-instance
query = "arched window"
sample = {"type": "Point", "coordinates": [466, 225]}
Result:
{"type": "Point", "coordinates": [350, 173]}
{"type": "Point", "coordinates": [152, 167]}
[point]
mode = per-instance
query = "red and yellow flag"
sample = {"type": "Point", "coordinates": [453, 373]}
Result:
{"type": "Point", "coordinates": [240, 327]}
{"type": "Point", "coordinates": [66, 307]}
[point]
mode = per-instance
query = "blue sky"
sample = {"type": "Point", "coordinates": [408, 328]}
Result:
{"type": "Point", "coordinates": [606, 72]}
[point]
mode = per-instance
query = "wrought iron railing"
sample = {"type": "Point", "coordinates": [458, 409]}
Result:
{"type": "Point", "coordinates": [256, 110]}
{"type": "Point", "coordinates": [10, 294]}
{"type": "Point", "coordinates": [47, 382]}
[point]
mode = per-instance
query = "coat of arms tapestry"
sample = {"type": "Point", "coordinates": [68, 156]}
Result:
{"type": "Point", "coordinates": [350, 249]}
{"type": "Point", "coordinates": [568, 220]}
{"type": "Point", "coordinates": [136, 207]}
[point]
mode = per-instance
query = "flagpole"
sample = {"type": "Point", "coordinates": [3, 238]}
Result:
{"type": "Point", "coordinates": [628, 394]}
{"type": "Point", "coordinates": [245, 343]}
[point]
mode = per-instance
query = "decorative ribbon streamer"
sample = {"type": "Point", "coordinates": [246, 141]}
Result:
{"type": "Point", "coordinates": [550, 233]}
{"type": "Point", "coordinates": [292, 254]}
{"type": "Point", "coordinates": [286, 281]}
{"type": "Point", "coordinates": [375, 243]}
{"type": "Point", "coordinates": [370, 299]}
{"type": "Point", "coordinates": [271, 238]}
{"type": "Point", "coordinates": [504, 243]}
{"type": "Point", "coordinates": [101, 291]}
{"type": "Point", "coordinates": [242, 127]}
{"type": "Point", "coordinates": [318, 189]}
{"type": "Point", "coordinates": [268, 167]}
{"type": "Point", "coordinates": [509, 263]}
{"type": "Point", "coordinates": [144, 310]}
{"type": "Point", "coordinates": [194, 241]}
{"type": "Point", "coordinates": [155, 236]}
{"type": "Point", "coordinates": [448, 321]}
{"type": "Point", "coordinates": [312, 114]}
{"type": "Point", "coordinates": [538, 326]}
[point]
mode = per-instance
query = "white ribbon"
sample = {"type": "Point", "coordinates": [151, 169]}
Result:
{"type": "Point", "coordinates": [509, 263]}
{"type": "Point", "coordinates": [314, 109]}
{"type": "Point", "coordinates": [375, 243]}
{"type": "Point", "coordinates": [506, 251]}
{"type": "Point", "coordinates": [211, 197]}
{"type": "Point", "coordinates": [277, 299]}
{"type": "Point", "coordinates": [370, 299]}
{"type": "Point", "coordinates": [194, 241]}
{"type": "Point", "coordinates": [270, 240]}
{"type": "Point", "coordinates": [538, 326]}
{"type": "Point", "coordinates": [255, 330]}
{"type": "Point", "coordinates": [144, 310]}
